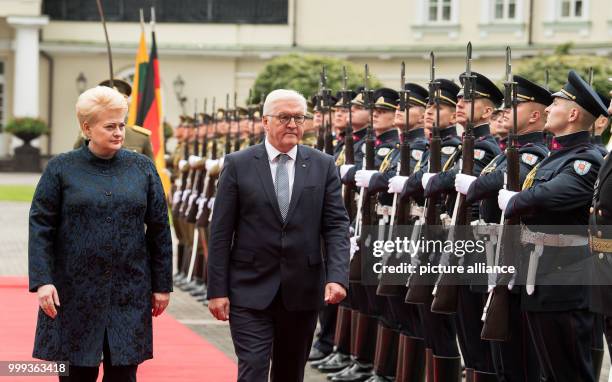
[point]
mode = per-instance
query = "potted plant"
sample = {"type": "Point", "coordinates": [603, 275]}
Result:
{"type": "Point", "coordinates": [26, 128]}
{"type": "Point", "coordinates": [27, 158]}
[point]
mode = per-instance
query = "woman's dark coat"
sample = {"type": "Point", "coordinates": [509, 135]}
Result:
{"type": "Point", "coordinates": [99, 232]}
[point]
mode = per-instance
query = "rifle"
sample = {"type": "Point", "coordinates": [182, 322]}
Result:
{"type": "Point", "coordinates": [327, 105]}
{"type": "Point", "coordinates": [419, 288]}
{"type": "Point", "coordinates": [251, 110]}
{"type": "Point", "coordinates": [593, 124]}
{"type": "Point", "coordinates": [349, 150]}
{"type": "Point", "coordinates": [319, 107]}
{"type": "Point", "coordinates": [446, 290]}
{"type": "Point", "coordinates": [237, 120]}
{"type": "Point", "coordinates": [208, 186]}
{"type": "Point", "coordinates": [496, 314]}
{"type": "Point", "coordinates": [228, 120]}
{"type": "Point", "coordinates": [191, 176]}
{"type": "Point", "coordinates": [196, 192]}
{"type": "Point", "coordinates": [400, 211]}
{"type": "Point", "coordinates": [547, 135]}
{"type": "Point", "coordinates": [366, 202]}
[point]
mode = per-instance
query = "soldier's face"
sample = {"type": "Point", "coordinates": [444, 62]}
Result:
{"type": "Point", "coordinates": [528, 117]}
{"type": "Point", "coordinates": [179, 132]}
{"type": "Point", "coordinates": [497, 125]}
{"type": "Point", "coordinates": [447, 116]}
{"type": "Point", "coordinates": [482, 110]}
{"type": "Point", "coordinates": [202, 131]}
{"type": "Point", "coordinates": [317, 119]}
{"type": "Point", "coordinates": [360, 116]}
{"type": "Point", "coordinates": [341, 118]}
{"type": "Point", "coordinates": [222, 127]}
{"type": "Point", "coordinates": [106, 132]}
{"type": "Point", "coordinates": [559, 113]}
{"type": "Point", "coordinates": [308, 125]}
{"type": "Point", "coordinates": [283, 136]}
{"type": "Point", "coordinates": [416, 117]}
{"type": "Point", "coordinates": [383, 120]}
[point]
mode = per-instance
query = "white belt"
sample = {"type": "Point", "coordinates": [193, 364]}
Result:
{"type": "Point", "coordinates": [483, 229]}
{"type": "Point", "coordinates": [541, 240]}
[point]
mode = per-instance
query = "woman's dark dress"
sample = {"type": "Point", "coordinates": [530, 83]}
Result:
{"type": "Point", "coordinates": [99, 232]}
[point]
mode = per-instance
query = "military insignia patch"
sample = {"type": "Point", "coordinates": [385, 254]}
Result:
{"type": "Point", "coordinates": [582, 167]}
{"type": "Point", "coordinates": [383, 151]}
{"type": "Point", "coordinates": [448, 150]}
{"type": "Point", "coordinates": [417, 154]}
{"type": "Point", "coordinates": [529, 159]}
{"type": "Point", "coordinates": [479, 154]}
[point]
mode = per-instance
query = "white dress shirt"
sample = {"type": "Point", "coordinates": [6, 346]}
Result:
{"type": "Point", "coordinates": [273, 161]}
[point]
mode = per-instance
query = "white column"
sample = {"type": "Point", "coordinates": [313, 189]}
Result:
{"type": "Point", "coordinates": [26, 65]}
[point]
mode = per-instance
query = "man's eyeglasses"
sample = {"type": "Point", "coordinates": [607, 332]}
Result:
{"type": "Point", "coordinates": [285, 119]}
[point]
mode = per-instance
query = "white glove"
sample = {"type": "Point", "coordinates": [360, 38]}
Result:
{"type": "Point", "coordinates": [221, 161]}
{"type": "Point", "coordinates": [182, 163]}
{"type": "Point", "coordinates": [176, 197]}
{"type": "Point", "coordinates": [463, 182]}
{"type": "Point", "coordinates": [396, 184]}
{"type": "Point", "coordinates": [354, 246]}
{"type": "Point", "coordinates": [211, 203]}
{"type": "Point", "coordinates": [344, 169]}
{"type": "Point", "coordinates": [504, 197]}
{"type": "Point", "coordinates": [362, 177]}
{"type": "Point", "coordinates": [210, 163]}
{"type": "Point", "coordinates": [426, 177]}
{"type": "Point", "coordinates": [193, 160]}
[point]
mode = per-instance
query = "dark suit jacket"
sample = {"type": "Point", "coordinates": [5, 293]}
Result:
{"type": "Point", "coordinates": [252, 253]}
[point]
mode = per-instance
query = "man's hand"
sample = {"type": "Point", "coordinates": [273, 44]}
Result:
{"type": "Point", "coordinates": [334, 293]}
{"type": "Point", "coordinates": [362, 177]}
{"type": "Point", "coordinates": [159, 302]}
{"type": "Point", "coordinates": [47, 299]}
{"type": "Point", "coordinates": [425, 179]}
{"type": "Point", "coordinates": [463, 183]}
{"type": "Point", "coordinates": [219, 308]}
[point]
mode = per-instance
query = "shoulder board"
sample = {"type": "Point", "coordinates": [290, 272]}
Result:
{"type": "Point", "coordinates": [141, 130]}
{"type": "Point", "coordinates": [539, 150]}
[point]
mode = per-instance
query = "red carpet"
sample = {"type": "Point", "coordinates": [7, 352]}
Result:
{"type": "Point", "coordinates": [180, 354]}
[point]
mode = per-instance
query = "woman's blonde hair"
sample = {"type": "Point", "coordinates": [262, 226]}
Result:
{"type": "Point", "coordinates": [92, 101]}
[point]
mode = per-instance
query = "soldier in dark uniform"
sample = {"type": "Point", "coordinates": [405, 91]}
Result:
{"type": "Point", "coordinates": [554, 208]}
{"type": "Point", "coordinates": [439, 330]}
{"type": "Point", "coordinates": [398, 318]}
{"type": "Point", "coordinates": [341, 120]}
{"type": "Point", "coordinates": [471, 299]}
{"type": "Point", "coordinates": [340, 358]}
{"type": "Point", "coordinates": [600, 125]}
{"type": "Point", "coordinates": [514, 359]}
{"type": "Point", "coordinates": [498, 128]}
{"type": "Point", "coordinates": [310, 131]}
{"type": "Point", "coordinates": [387, 138]}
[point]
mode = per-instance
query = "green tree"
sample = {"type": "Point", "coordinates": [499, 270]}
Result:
{"type": "Point", "coordinates": [302, 73]}
{"type": "Point", "coordinates": [560, 63]}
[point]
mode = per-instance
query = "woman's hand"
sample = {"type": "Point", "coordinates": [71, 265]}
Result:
{"type": "Point", "coordinates": [159, 301]}
{"type": "Point", "coordinates": [47, 299]}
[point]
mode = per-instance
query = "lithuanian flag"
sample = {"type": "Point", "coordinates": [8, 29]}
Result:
{"type": "Point", "coordinates": [140, 73]}
{"type": "Point", "coordinates": [149, 113]}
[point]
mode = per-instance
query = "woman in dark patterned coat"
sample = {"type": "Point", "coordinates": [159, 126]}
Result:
{"type": "Point", "coordinates": [100, 249]}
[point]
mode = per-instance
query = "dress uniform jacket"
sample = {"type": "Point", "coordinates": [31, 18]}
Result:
{"type": "Point", "coordinates": [560, 194]}
{"type": "Point", "coordinates": [99, 233]}
{"type": "Point", "coordinates": [600, 228]}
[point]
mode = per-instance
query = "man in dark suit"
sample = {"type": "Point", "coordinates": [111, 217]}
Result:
{"type": "Point", "coordinates": [278, 204]}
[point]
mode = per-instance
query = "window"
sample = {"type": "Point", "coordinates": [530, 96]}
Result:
{"type": "Point", "coordinates": [505, 9]}
{"type": "Point", "coordinates": [439, 10]}
{"type": "Point", "coordinates": [572, 9]}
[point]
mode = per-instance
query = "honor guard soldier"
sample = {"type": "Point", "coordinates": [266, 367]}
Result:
{"type": "Point", "coordinates": [340, 122]}
{"type": "Point", "coordinates": [309, 138]}
{"type": "Point", "coordinates": [439, 330]}
{"type": "Point", "coordinates": [600, 125]}
{"type": "Point", "coordinates": [473, 112]}
{"type": "Point", "coordinates": [360, 118]}
{"type": "Point", "coordinates": [515, 358]}
{"type": "Point", "coordinates": [554, 210]}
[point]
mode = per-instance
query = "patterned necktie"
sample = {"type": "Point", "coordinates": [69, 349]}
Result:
{"type": "Point", "coordinates": [282, 184]}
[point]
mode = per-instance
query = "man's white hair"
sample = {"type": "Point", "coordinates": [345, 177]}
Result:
{"type": "Point", "coordinates": [282, 95]}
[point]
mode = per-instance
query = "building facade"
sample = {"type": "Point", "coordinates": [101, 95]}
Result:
{"type": "Point", "coordinates": [51, 49]}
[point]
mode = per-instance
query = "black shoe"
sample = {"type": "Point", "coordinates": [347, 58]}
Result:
{"type": "Point", "coordinates": [200, 290]}
{"type": "Point", "coordinates": [337, 362]}
{"type": "Point", "coordinates": [315, 364]}
{"type": "Point", "coordinates": [189, 286]}
{"type": "Point", "coordinates": [316, 354]}
{"type": "Point", "coordinates": [357, 373]}
{"type": "Point", "coordinates": [340, 372]}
